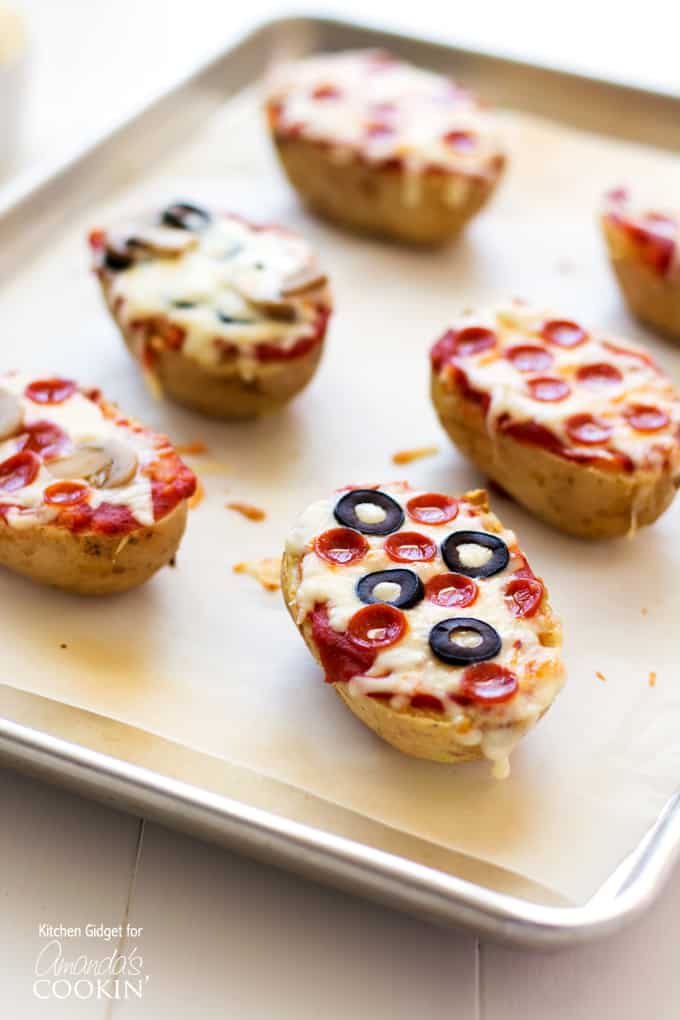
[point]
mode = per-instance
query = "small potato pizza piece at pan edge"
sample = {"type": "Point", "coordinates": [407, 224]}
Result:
{"type": "Point", "coordinates": [90, 500]}
{"type": "Point", "coordinates": [225, 316]}
{"type": "Point", "coordinates": [643, 248]}
{"type": "Point", "coordinates": [432, 629]}
{"type": "Point", "coordinates": [579, 426]}
{"type": "Point", "coordinates": [383, 147]}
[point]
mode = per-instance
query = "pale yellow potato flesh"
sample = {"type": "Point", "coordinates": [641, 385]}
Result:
{"type": "Point", "coordinates": [654, 299]}
{"type": "Point", "coordinates": [418, 732]}
{"type": "Point", "coordinates": [89, 563]}
{"type": "Point", "coordinates": [372, 200]}
{"type": "Point", "coordinates": [580, 499]}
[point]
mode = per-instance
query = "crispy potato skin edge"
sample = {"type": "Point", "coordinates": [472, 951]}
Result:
{"type": "Point", "coordinates": [652, 298]}
{"type": "Point", "coordinates": [89, 563]}
{"type": "Point", "coordinates": [417, 732]}
{"type": "Point", "coordinates": [370, 200]}
{"type": "Point", "coordinates": [579, 499]}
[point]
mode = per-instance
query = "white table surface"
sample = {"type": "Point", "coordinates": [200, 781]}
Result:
{"type": "Point", "coordinates": [221, 936]}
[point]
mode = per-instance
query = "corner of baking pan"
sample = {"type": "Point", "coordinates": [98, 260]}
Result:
{"type": "Point", "coordinates": [336, 860]}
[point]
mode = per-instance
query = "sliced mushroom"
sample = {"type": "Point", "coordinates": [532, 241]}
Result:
{"type": "Point", "coordinates": [11, 414]}
{"type": "Point", "coordinates": [105, 465]}
{"type": "Point", "coordinates": [132, 244]}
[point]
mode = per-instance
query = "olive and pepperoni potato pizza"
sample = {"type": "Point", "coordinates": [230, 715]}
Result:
{"type": "Point", "coordinates": [427, 619]}
{"type": "Point", "coordinates": [643, 249]}
{"type": "Point", "coordinates": [383, 147]}
{"type": "Point", "coordinates": [581, 428]}
{"type": "Point", "coordinates": [90, 500]}
{"type": "Point", "coordinates": [225, 316]}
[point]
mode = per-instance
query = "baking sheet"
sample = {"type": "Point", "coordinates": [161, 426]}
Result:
{"type": "Point", "coordinates": [205, 658]}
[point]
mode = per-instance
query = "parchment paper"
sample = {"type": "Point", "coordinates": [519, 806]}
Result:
{"type": "Point", "coordinates": [207, 659]}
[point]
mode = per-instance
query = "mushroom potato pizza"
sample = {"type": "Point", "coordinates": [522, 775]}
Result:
{"type": "Point", "coordinates": [383, 147]}
{"type": "Point", "coordinates": [580, 427]}
{"type": "Point", "coordinates": [427, 619]}
{"type": "Point", "coordinates": [644, 253]}
{"type": "Point", "coordinates": [225, 316]}
{"type": "Point", "coordinates": [90, 500]}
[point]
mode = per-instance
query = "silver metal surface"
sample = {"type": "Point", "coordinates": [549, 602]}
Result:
{"type": "Point", "coordinates": [399, 882]}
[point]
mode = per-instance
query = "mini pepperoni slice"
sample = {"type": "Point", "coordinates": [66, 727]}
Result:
{"type": "Point", "coordinates": [643, 418]}
{"type": "Point", "coordinates": [432, 508]}
{"type": "Point", "coordinates": [584, 428]}
{"type": "Point", "coordinates": [341, 546]}
{"type": "Point", "coordinates": [548, 389]}
{"type": "Point", "coordinates": [527, 358]}
{"type": "Point", "coordinates": [45, 438]}
{"type": "Point", "coordinates": [410, 547]}
{"type": "Point", "coordinates": [474, 340]}
{"type": "Point", "coordinates": [18, 471]}
{"type": "Point", "coordinates": [563, 333]}
{"type": "Point", "coordinates": [50, 391]}
{"type": "Point", "coordinates": [377, 626]}
{"type": "Point", "coordinates": [326, 92]}
{"type": "Point", "coordinates": [451, 590]}
{"type": "Point", "coordinates": [486, 683]}
{"type": "Point", "coordinates": [461, 141]}
{"type": "Point", "coordinates": [601, 373]}
{"type": "Point", "coordinates": [523, 596]}
{"type": "Point", "coordinates": [66, 493]}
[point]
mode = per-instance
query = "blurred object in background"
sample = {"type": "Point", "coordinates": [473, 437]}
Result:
{"type": "Point", "coordinates": [12, 73]}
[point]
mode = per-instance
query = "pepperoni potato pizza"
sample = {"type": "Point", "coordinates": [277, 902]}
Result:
{"type": "Point", "coordinates": [427, 619]}
{"type": "Point", "coordinates": [383, 147]}
{"type": "Point", "coordinates": [90, 500]}
{"type": "Point", "coordinates": [581, 428]}
{"type": "Point", "coordinates": [643, 248]}
{"type": "Point", "coordinates": [225, 316]}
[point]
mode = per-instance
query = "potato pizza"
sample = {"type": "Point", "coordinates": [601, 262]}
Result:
{"type": "Point", "coordinates": [383, 147]}
{"type": "Point", "coordinates": [427, 619]}
{"type": "Point", "coordinates": [225, 316]}
{"type": "Point", "coordinates": [580, 427]}
{"type": "Point", "coordinates": [90, 500]}
{"type": "Point", "coordinates": [643, 249]}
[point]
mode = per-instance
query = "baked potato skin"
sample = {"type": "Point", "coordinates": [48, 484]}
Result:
{"type": "Point", "coordinates": [417, 732]}
{"type": "Point", "coordinates": [653, 298]}
{"type": "Point", "coordinates": [370, 199]}
{"type": "Point", "coordinates": [88, 562]}
{"type": "Point", "coordinates": [580, 499]}
{"type": "Point", "coordinates": [222, 394]}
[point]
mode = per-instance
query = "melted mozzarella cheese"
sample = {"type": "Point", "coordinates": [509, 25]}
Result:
{"type": "Point", "coordinates": [491, 372]}
{"type": "Point", "coordinates": [83, 422]}
{"type": "Point", "coordinates": [386, 109]}
{"type": "Point", "coordinates": [209, 291]}
{"type": "Point", "coordinates": [409, 667]}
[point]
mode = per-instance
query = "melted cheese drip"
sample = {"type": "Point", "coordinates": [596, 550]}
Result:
{"type": "Point", "coordinates": [230, 259]}
{"type": "Point", "coordinates": [409, 666]}
{"type": "Point", "coordinates": [490, 372]}
{"type": "Point", "coordinates": [83, 422]}
{"type": "Point", "coordinates": [386, 109]}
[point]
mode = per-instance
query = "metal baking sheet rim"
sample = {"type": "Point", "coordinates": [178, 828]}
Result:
{"type": "Point", "coordinates": [313, 853]}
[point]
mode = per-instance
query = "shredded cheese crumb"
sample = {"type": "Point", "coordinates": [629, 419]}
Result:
{"type": "Point", "coordinates": [407, 456]}
{"type": "Point", "coordinates": [253, 513]}
{"type": "Point", "coordinates": [652, 678]}
{"type": "Point", "coordinates": [267, 571]}
{"type": "Point", "coordinates": [196, 447]}
{"type": "Point", "coordinates": [600, 676]}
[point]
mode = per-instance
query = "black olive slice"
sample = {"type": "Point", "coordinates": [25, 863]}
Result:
{"type": "Point", "coordinates": [345, 512]}
{"type": "Point", "coordinates": [184, 304]}
{"type": "Point", "coordinates": [411, 593]}
{"type": "Point", "coordinates": [185, 217]}
{"type": "Point", "coordinates": [495, 563]}
{"type": "Point", "coordinates": [231, 320]}
{"type": "Point", "coordinates": [116, 261]}
{"type": "Point", "coordinates": [461, 653]}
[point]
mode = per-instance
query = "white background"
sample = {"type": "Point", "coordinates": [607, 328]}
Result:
{"type": "Point", "coordinates": [223, 937]}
